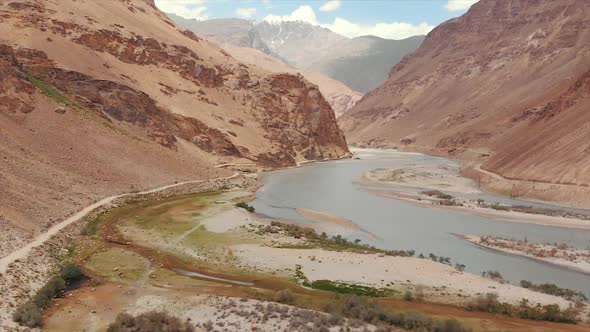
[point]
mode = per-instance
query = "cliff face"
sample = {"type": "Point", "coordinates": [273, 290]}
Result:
{"type": "Point", "coordinates": [99, 97]}
{"type": "Point", "coordinates": [504, 86]}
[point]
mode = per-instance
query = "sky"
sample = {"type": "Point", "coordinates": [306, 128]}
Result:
{"type": "Point", "coordinates": [392, 19]}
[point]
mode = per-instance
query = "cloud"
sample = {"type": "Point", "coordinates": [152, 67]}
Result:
{"type": "Point", "coordinates": [388, 30]}
{"type": "Point", "coordinates": [245, 12]}
{"type": "Point", "coordinates": [185, 8]}
{"type": "Point", "coordinates": [455, 5]}
{"type": "Point", "coordinates": [330, 6]}
{"type": "Point", "coordinates": [303, 13]}
{"type": "Point", "coordinates": [393, 30]}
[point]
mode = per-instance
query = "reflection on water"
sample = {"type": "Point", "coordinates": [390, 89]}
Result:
{"type": "Point", "coordinates": [333, 187]}
{"type": "Point", "coordinates": [208, 277]}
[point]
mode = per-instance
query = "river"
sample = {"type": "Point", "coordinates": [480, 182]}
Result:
{"type": "Point", "coordinates": [334, 187]}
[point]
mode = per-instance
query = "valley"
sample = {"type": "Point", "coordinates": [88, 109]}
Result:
{"type": "Point", "coordinates": [200, 256]}
{"type": "Point", "coordinates": [220, 166]}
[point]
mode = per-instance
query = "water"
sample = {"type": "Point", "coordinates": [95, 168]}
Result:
{"type": "Point", "coordinates": [332, 187]}
{"type": "Point", "coordinates": [208, 277]}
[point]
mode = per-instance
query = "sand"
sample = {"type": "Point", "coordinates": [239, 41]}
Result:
{"type": "Point", "coordinates": [327, 220]}
{"type": "Point", "coordinates": [428, 177]}
{"type": "Point", "coordinates": [379, 271]}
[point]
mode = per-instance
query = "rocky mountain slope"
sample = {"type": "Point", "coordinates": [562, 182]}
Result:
{"type": "Point", "coordinates": [232, 31]}
{"type": "Point", "coordinates": [242, 40]}
{"type": "Point", "coordinates": [361, 63]}
{"type": "Point", "coordinates": [104, 97]}
{"type": "Point", "coordinates": [505, 86]}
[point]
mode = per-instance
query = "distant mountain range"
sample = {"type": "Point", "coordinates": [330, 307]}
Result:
{"type": "Point", "coordinates": [361, 63]}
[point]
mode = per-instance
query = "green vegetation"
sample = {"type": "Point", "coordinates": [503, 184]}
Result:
{"type": "Point", "coordinates": [551, 312]}
{"type": "Point", "coordinates": [29, 313]}
{"type": "Point", "coordinates": [52, 93]}
{"type": "Point", "coordinates": [355, 307]}
{"type": "Point", "coordinates": [340, 287]}
{"type": "Point", "coordinates": [322, 241]}
{"type": "Point", "coordinates": [437, 194]}
{"type": "Point", "coordinates": [149, 322]}
{"type": "Point", "coordinates": [553, 289]}
{"type": "Point", "coordinates": [91, 225]}
{"type": "Point", "coordinates": [533, 210]}
{"type": "Point", "coordinates": [245, 206]}
{"type": "Point", "coordinates": [118, 265]}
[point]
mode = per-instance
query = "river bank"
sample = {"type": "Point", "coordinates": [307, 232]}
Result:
{"type": "Point", "coordinates": [208, 235]}
{"type": "Point", "coordinates": [443, 187]}
{"type": "Point", "coordinates": [561, 255]}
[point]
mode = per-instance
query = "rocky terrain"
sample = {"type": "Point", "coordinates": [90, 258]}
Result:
{"type": "Point", "coordinates": [99, 98]}
{"type": "Point", "coordinates": [241, 39]}
{"type": "Point", "coordinates": [504, 87]}
{"type": "Point", "coordinates": [340, 97]}
{"type": "Point", "coordinates": [361, 63]}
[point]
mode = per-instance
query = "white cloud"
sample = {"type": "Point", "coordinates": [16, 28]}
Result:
{"type": "Point", "coordinates": [393, 30]}
{"type": "Point", "coordinates": [245, 12]}
{"type": "Point", "coordinates": [330, 6]}
{"type": "Point", "coordinates": [185, 8]}
{"type": "Point", "coordinates": [303, 13]}
{"type": "Point", "coordinates": [388, 30]}
{"type": "Point", "coordinates": [455, 5]}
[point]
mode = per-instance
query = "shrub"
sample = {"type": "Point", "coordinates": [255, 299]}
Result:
{"type": "Point", "coordinates": [360, 308]}
{"type": "Point", "coordinates": [91, 226]}
{"type": "Point", "coordinates": [149, 322]}
{"type": "Point", "coordinates": [408, 296]}
{"type": "Point", "coordinates": [245, 206]}
{"type": "Point", "coordinates": [71, 272]}
{"type": "Point", "coordinates": [285, 296]}
{"type": "Point", "coordinates": [437, 194]}
{"type": "Point", "coordinates": [553, 289]}
{"type": "Point", "coordinates": [43, 297]}
{"type": "Point", "coordinates": [28, 315]}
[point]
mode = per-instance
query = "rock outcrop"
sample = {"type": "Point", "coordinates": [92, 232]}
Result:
{"type": "Point", "coordinates": [505, 86]}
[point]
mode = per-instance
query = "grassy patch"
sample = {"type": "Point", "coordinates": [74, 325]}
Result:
{"type": "Point", "coordinates": [340, 287]}
{"type": "Point", "coordinates": [50, 92]}
{"type": "Point", "coordinates": [117, 265]}
{"type": "Point", "coordinates": [169, 218]}
{"type": "Point", "coordinates": [91, 225]}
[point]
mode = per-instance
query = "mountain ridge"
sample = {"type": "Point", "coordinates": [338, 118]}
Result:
{"type": "Point", "coordinates": [498, 87]}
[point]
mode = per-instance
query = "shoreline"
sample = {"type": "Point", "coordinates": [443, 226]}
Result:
{"type": "Point", "coordinates": [510, 216]}
{"type": "Point", "coordinates": [564, 264]}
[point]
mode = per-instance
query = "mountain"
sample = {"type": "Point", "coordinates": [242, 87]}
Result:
{"type": "Point", "coordinates": [232, 31]}
{"type": "Point", "coordinates": [340, 97]}
{"type": "Point", "coordinates": [298, 42]}
{"type": "Point", "coordinates": [99, 98]}
{"type": "Point", "coordinates": [242, 40]}
{"type": "Point", "coordinates": [360, 63]}
{"type": "Point", "coordinates": [363, 63]}
{"type": "Point", "coordinates": [505, 87]}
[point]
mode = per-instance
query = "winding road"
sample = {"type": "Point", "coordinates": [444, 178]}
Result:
{"type": "Point", "coordinates": [44, 237]}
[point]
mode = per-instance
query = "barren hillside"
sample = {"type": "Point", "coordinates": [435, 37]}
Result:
{"type": "Point", "coordinates": [505, 86]}
{"type": "Point", "coordinates": [338, 95]}
{"type": "Point", "coordinates": [102, 97]}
